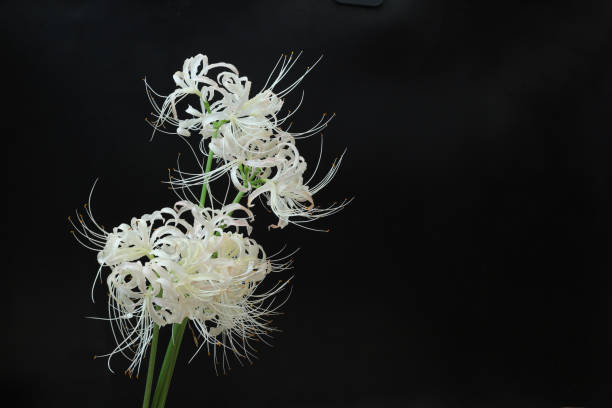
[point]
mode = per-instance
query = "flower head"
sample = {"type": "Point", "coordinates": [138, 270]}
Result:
{"type": "Point", "coordinates": [286, 193]}
{"type": "Point", "coordinates": [245, 132]}
{"type": "Point", "coordinates": [183, 263]}
{"type": "Point", "coordinates": [193, 79]}
{"type": "Point", "coordinates": [227, 100]}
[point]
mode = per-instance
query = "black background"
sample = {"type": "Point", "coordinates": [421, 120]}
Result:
{"type": "Point", "coordinates": [472, 269]}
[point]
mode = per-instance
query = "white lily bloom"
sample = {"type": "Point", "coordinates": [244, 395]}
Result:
{"type": "Point", "coordinates": [256, 147]}
{"type": "Point", "coordinates": [240, 128]}
{"type": "Point", "coordinates": [242, 111]}
{"type": "Point", "coordinates": [138, 239]}
{"type": "Point", "coordinates": [286, 193]}
{"type": "Point", "coordinates": [248, 115]}
{"type": "Point", "coordinates": [192, 79]}
{"type": "Point", "coordinates": [147, 236]}
{"type": "Point", "coordinates": [182, 263]}
{"type": "Point", "coordinates": [235, 105]}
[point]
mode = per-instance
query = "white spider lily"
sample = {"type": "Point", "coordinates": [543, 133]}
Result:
{"type": "Point", "coordinates": [192, 79]}
{"type": "Point", "coordinates": [235, 107]}
{"type": "Point", "coordinates": [212, 283]}
{"type": "Point", "coordinates": [246, 114]}
{"type": "Point", "coordinates": [243, 112]}
{"type": "Point", "coordinates": [138, 239]}
{"type": "Point", "coordinates": [147, 236]}
{"type": "Point", "coordinates": [256, 149]}
{"type": "Point", "coordinates": [235, 104]}
{"type": "Point", "coordinates": [182, 263]}
{"type": "Point", "coordinates": [288, 197]}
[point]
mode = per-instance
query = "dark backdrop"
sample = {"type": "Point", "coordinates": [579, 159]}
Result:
{"type": "Point", "coordinates": [472, 269]}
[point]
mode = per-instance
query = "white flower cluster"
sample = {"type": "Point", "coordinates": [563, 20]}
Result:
{"type": "Point", "coordinates": [165, 269]}
{"type": "Point", "coordinates": [198, 265]}
{"type": "Point", "coordinates": [245, 133]}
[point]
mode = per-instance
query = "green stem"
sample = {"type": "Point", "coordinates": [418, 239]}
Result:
{"type": "Point", "coordinates": [205, 185]}
{"type": "Point", "coordinates": [236, 199]}
{"type": "Point", "coordinates": [175, 344]}
{"type": "Point", "coordinates": [151, 370]}
{"type": "Point", "coordinates": [161, 380]}
{"type": "Point", "coordinates": [209, 160]}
